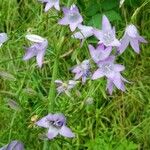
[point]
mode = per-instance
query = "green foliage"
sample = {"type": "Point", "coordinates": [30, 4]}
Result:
{"type": "Point", "coordinates": [118, 122]}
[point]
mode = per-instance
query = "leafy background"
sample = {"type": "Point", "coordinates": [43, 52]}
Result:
{"type": "Point", "coordinates": [118, 122]}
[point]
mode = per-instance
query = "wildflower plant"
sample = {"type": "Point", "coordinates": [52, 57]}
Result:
{"type": "Point", "coordinates": [100, 64]}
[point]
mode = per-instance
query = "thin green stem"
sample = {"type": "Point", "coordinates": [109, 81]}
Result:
{"type": "Point", "coordinates": [11, 125]}
{"type": "Point", "coordinates": [52, 91]}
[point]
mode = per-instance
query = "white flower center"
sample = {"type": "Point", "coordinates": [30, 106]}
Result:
{"type": "Point", "coordinates": [73, 17]}
{"type": "Point", "coordinates": [131, 30]}
{"type": "Point", "coordinates": [108, 37]}
{"type": "Point", "coordinates": [107, 68]}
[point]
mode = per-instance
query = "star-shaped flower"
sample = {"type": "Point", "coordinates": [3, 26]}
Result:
{"type": "Point", "coordinates": [85, 32]}
{"type": "Point", "coordinates": [72, 17]}
{"type": "Point", "coordinates": [112, 71]}
{"type": "Point", "coordinates": [56, 124]}
{"type": "Point", "coordinates": [100, 53]}
{"type": "Point", "coordinates": [13, 145]}
{"type": "Point", "coordinates": [50, 4]}
{"type": "Point", "coordinates": [82, 70]}
{"type": "Point", "coordinates": [3, 38]}
{"type": "Point", "coordinates": [65, 87]}
{"type": "Point", "coordinates": [107, 34]}
{"type": "Point", "coordinates": [37, 49]}
{"type": "Point", "coordinates": [131, 37]}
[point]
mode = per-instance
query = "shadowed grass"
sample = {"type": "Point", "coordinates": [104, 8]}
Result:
{"type": "Point", "coordinates": [110, 123]}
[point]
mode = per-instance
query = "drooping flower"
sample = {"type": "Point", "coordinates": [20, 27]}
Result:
{"type": "Point", "coordinates": [56, 124]}
{"type": "Point", "coordinates": [65, 87]}
{"type": "Point", "coordinates": [37, 49]}
{"type": "Point", "coordinates": [112, 71]}
{"type": "Point", "coordinates": [107, 34]}
{"type": "Point", "coordinates": [85, 32]}
{"type": "Point", "coordinates": [131, 37]}
{"type": "Point", "coordinates": [14, 145]}
{"type": "Point", "coordinates": [82, 71]}
{"type": "Point", "coordinates": [117, 81]}
{"type": "Point", "coordinates": [72, 17]}
{"type": "Point", "coordinates": [3, 38]}
{"type": "Point", "coordinates": [100, 53]}
{"type": "Point", "coordinates": [50, 3]}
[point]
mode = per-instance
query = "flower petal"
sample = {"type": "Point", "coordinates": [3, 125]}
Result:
{"type": "Point", "coordinates": [141, 39]}
{"type": "Point", "coordinates": [3, 38]}
{"type": "Point", "coordinates": [118, 67]}
{"type": "Point", "coordinates": [39, 58]}
{"type": "Point", "coordinates": [135, 45]}
{"type": "Point", "coordinates": [52, 132]}
{"type": "Point", "coordinates": [56, 5]}
{"type": "Point", "coordinates": [109, 86]}
{"type": "Point", "coordinates": [44, 121]}
{"type": "Point", "coordinates": [65, 131]}
{"type": "Point", "coordinates": [34, 38]}
{"type": "Point", "coordinates": [29, 54]}
{"type": "Point", "coordinates": [124, 43]}
{"type": "Point", "coordinates": [48, 6]}
{"type": "Point", "coordinates": [97, 74]}
{"type": "Point", "coordinates": [105, 24]}
{"type": "Point", "coordinates": [73, 26]}
{"type": "Point", "coordinates": [98, 34]}
{"type": "Point", "coordinates": [63, 21]}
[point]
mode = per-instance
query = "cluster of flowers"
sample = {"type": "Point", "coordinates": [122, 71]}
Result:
{"type": "Point", "coordinates": [101, 55]}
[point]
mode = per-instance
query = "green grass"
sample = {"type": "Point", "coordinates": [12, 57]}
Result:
{"type": "Point", "coordinates": [118, 122]}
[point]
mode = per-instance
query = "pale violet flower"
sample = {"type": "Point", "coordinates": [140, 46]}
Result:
{"type": "Point", "coordinates": [82, 71]}
{"type": "Point", "coordinates": [117, 81]}
{"type": "Point", "coordinates": [85, 32]}
{"type": "Point", "coordinates": [100, 53]}
{"type": "Point", "coordinates": [72, 17]}
{"type": "Point", "coordinates": [51, 3]}
{"type": "Point", "coordinates": [65, 87]}
{"type": "Point", "coordinates": [56, 124]}
{"type": "Point", "coordinates": [112, 71]}
{"type": "Point", "coordinates": [37, 49]}
{"type": "Point", "coordinates": [14, 145]}
{"type": "Point", "coordinates": [107, 34]}
{"type": "Point", "coordinates": [3, 38]}
{"type": "Point", "coordinates": [131, 37]}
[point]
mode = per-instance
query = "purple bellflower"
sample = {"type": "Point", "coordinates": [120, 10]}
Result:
{"type": "Point", "coordinates": [56, 124]}
{"type": "Point", "coordinates": [3, 38]}
{"type": "Point", "coordinates": [82, 70]}
{"type": "Point", "coordinates": [100, 53]}
{"type": "Point", "coordinates": [63, 87]}
{"type": "Point", "coordinates": [107, 34]}
{"type": "Point", "coordinates": [112, 71]}
{"type": "Point", "coordinates": [131, 36]}
{"type": "Point", "coordinates": [37, 49]}
{"type": "Point", "coordinates": [85, 32]}
{"type": "Point", "coordinates": [72, 17]}
{"type": "Point", "coordinates": [14, 145]}
{"type": "Point", "coordinates": [50, 4]}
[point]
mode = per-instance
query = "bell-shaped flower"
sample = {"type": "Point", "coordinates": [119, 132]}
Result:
{"type": "Point", "coordinates": [82, 70]}
{"type": "Point", "coordinates": [117, 81]}
{"type": "Point", "coordinates": [100, 53]}
{"type": "Point", "coordinates": [37, 49]}
{"type": "Point", "coordinates": [3, 38]}
{"type": "Point", "coordinates": [107, 34]}
{"type": "Point", "coordinates": [72, 17]}
{"type": "Point", "coordinates": [131, 37]}
{"type": "Point", "coordinates": [65, 87]}
{"type": "Point", "coordinates": [112, 71]}
{"type": "Point", "coordinates": [51, 3]}
{"type": "Point", "coordinates": [85, 32]}
{"type": "Point", "coordinates": [14, 145]}
{"type": "Point", "coordinates": [56, 124]}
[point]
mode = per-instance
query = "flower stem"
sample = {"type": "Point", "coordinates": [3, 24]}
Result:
{"type": "Point", "coordinates": [52, 91]}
